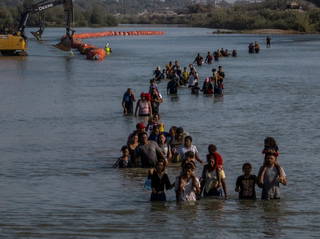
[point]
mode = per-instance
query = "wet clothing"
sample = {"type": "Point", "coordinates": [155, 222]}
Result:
{"type": "Point", "coordinates": [155, 102]}
{"type": "Point", "coordinates": [165, 150]}
{"type": "Point", "coordinates": [247, 186]}
{"type": "Point", "coordinates": [209, 59]}
{"type": "Point", "coordinates": [198, 60]}
{"type": "Point", "coordinates": [123, 163]}
{"type": "Point", "coordinates": [218, 159]}
{"type": "Point", "coordinates": [251, 48]}
{"type": "Point", "coordinates": [219, 163]}
{"type": "Point", "coordinates": [148, 154]}
{"type": "Point", "coordinates": [172, 87]}
{"type": "Point", "coordinates": [158, 197]}
{"type": "Point", "coordinates": [185, 76]}
{"type": "Point", "coordinates": [188, 193]}
{"type": "Point", "coordinates": [210, 183]}
{"type": "Point", "coordinates": [177, 142]}
{"type": "Point", "coordinates": [144, 108]}
{"type": "Point", "coordinates": [153, 137]}
{"type": "Point", "coordinates": [157, 74]}
{"type": "Point", "coordinates": [182, 150]}
{"type": "Point", "coordinates": [158, 184]}
{"type": "Point", "coordinates": [234, 53]}
{"type": "Point", "coordinates": [256, 48]}
{"type": "Point", "coordinates": [127, 101]}
{"type": "Point", "coordinates": [218, 91]}
{"type": "Point", "coordinates": [268, 40]}
{"type": "Point", "coordinates": [207, 88]}
{"type": "Point", "coordinates": [271, 185]}
{"type": "Point", "coordinates": [221, 74]}
{"type": "Point", "coordinates": [131, 151]}
{"type": "Point", "coordinates": [195, 90]}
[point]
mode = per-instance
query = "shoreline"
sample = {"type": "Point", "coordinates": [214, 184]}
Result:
{"type": "Point", "coordinates": [263, 31]}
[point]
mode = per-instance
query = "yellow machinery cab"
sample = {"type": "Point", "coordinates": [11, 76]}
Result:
{"type": "Point", "coordinates": [12, 43]}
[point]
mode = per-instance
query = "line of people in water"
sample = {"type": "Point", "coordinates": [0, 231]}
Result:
{"type": "Point", "coordinates": [199, 60]}
{"type": "Point", "coordinates": [150, 101]}
{"type": "Point", "coordinates": [151, 147]}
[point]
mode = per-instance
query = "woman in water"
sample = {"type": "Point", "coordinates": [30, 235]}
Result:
{"type": "Point", "coordinates": [143, 106]}
{"type": "Point", "coordinates": [210, 180]}
{"type": "Point", "coordinates": [127, 102]}
{"type": "Point", "coordinates": [166, 149]}
{"type": "Point", "coordinates": [159, 182]}
{"type": "Point", "coordinates": [133, 143]}
{"type": "Point", "coordinates": [156, 100]}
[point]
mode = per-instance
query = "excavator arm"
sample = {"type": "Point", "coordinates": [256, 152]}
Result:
{"type": "Point", "coordinates": [42, 6]}
{"type": "Point", "coordinates": [16, 44]}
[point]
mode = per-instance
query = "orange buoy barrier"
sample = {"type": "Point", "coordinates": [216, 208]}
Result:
{"type": "Point", "coordinates": [96, 54]}
{"type": "Point", "coordinates": [114, 33]}
{"type": "Point", "coordinates": [92, 52]}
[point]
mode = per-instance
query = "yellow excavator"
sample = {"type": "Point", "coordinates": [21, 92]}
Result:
{"type": "Point", "coordinates": [16, 43]}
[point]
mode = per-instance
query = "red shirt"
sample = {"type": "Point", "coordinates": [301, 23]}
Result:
{"type": "Point", "coordinates": [219, 160]}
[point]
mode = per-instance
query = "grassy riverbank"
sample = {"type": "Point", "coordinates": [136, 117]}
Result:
{"type": "Point", "coordinates": [242, 18]}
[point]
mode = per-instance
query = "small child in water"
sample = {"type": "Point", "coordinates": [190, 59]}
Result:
{"type": "Point", "coordinates": [212, 149]}
{"type": "Point", "coordinates": [245, 184]}
{"type": "Point", "coordinates": [123, 161]}
{"type": "Point", "coordinates": [270, 146]}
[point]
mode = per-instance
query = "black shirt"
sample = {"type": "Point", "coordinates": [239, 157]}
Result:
{"type": "Point", "coordinates": [247, 186]}
{"type": "Point", "coordinates": [159, 183]}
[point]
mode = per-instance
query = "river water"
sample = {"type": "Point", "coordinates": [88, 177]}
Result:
{"type": "Point", "coordinates": [62, 128]}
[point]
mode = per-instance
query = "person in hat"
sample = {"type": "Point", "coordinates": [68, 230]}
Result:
{"type": "Point", "coordinates": [140, 128]}
{"type": "Point", "coordinates": [143, 106]}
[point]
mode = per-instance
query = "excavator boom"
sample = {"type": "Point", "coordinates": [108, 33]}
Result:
{"type": "Point", "coordinates": [12, 43]}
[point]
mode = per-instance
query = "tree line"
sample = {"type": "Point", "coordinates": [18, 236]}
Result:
{"type": "Point", "coordinates": [98, 13]}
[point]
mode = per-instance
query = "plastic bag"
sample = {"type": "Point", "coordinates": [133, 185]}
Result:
{"type": "Point", "coordinates": [147, 184]}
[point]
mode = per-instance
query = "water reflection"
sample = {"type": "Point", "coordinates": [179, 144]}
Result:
{"type": "Point", "coordinates": [271, 218]}
{"type": "Point", "coordinates": [218, 99]}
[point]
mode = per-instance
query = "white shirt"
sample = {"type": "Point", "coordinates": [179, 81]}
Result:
{"type": "Point", "coordinates": [188, 193]}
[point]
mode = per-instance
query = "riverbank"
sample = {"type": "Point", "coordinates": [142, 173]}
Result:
{"type": "Point", "coordinates": [261, 31]}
